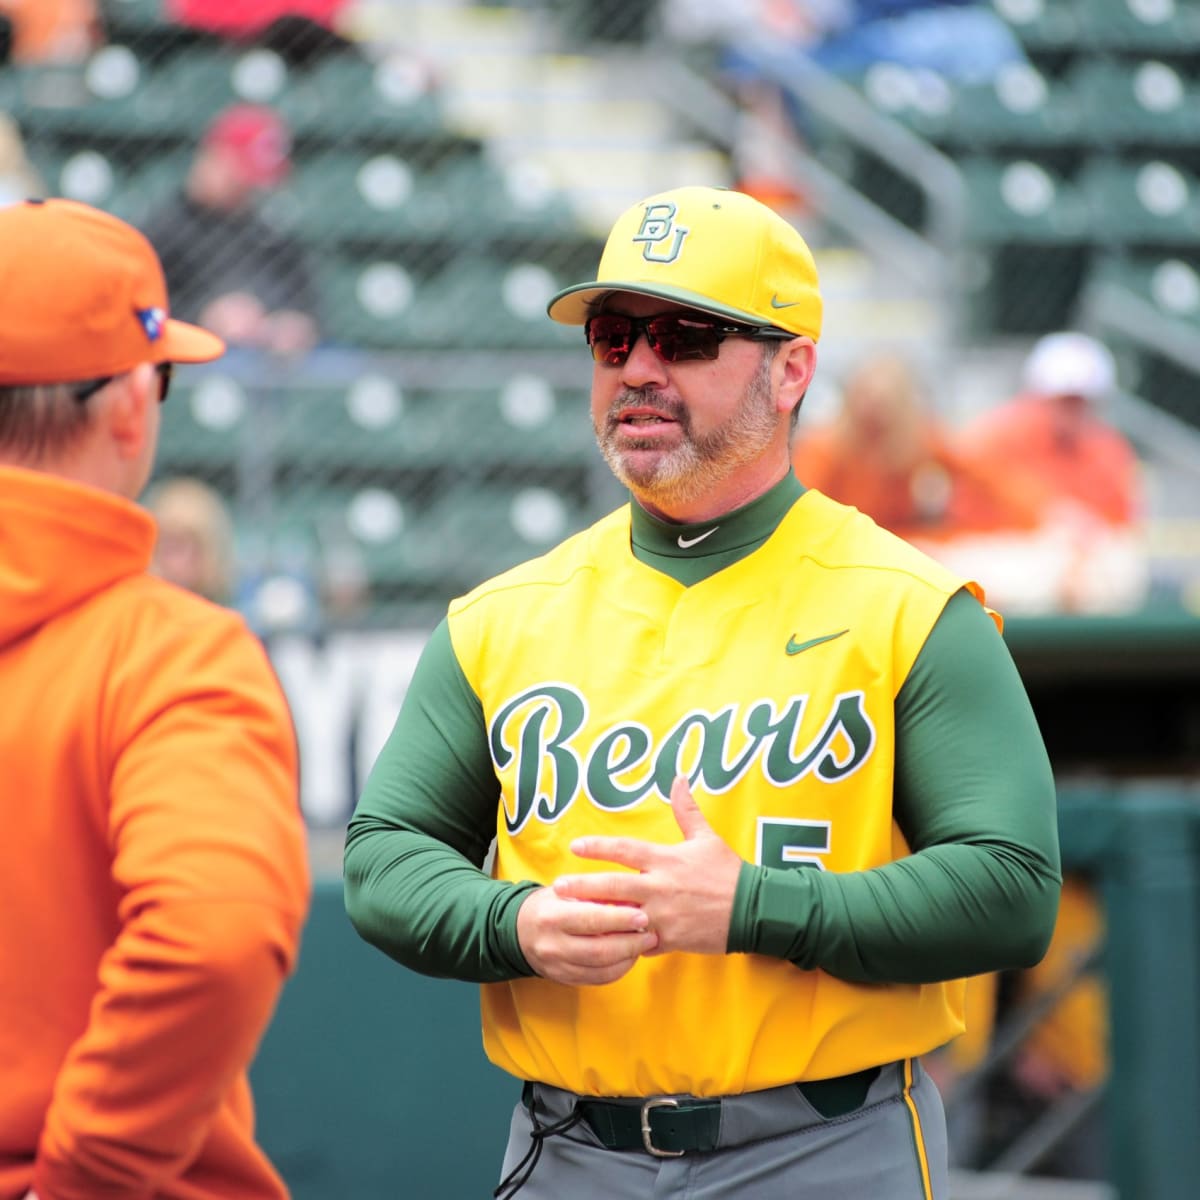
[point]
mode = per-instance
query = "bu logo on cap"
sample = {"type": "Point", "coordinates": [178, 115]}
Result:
{"type": "Point", "coordinates": [152, 320]}
{"type": "Point", "coordinates": [663, 238]}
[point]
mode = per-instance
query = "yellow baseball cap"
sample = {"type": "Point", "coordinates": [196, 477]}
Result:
{"type": "Point", "coordinates": [713, 249]}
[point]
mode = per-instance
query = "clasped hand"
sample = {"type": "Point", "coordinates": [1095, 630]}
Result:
{"type": "Point", "coordinates": [591, 928]}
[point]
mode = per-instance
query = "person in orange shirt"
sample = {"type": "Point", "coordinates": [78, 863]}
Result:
{"type": "Point", "coordinates": [1053, 436]}
{"type": "Point", "coordinates": [154, 862]}
{"type": "Point", "coordinates": [1054, 429]}
{"type": "Point", "coordinates": [52, 31]}
{"type": "Point", "coordinates": [888, 456]}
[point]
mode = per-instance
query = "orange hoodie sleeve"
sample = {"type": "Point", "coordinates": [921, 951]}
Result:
{"type": "Point", "coordinates": [211, 878]}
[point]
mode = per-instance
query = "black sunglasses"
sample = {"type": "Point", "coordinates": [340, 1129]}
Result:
{"type": "Point", "coordinates": [92, 386]}
{"type": "Point", "coordinates": [674, 337]}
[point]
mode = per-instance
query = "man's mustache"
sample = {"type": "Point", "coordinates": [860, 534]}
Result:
{"type": "Point", "coordinates": [648, 398]}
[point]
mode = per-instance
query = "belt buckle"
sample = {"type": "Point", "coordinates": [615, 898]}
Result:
{"type": "Point", "coordinates": [647, 1141]}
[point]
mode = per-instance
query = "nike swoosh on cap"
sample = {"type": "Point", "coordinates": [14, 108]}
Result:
{"type": "Point", "coordinates": [688, 543]}
{"type": "Point", "coordinates": [777, 303]}
{"type": "Point", "coordinates": [795, 647]}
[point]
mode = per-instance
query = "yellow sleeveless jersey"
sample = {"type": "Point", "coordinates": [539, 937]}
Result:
{"type": "Point", "coordinates": [771, 686]}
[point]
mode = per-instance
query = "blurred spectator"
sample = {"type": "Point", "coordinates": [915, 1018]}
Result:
{"type": "Point", "coordinates": [886, 454]}
{"type": "Point", "coordinates": [965, 41]}
{"type": "Point", "coordinates": [226, 266]}
{"type": "Point", "coordinates": [49, 31]}
{"type": "Point", "coordinates": [195, 546]}
{"type": "Point", "coordinates": [1063, 1057]}
{"type": "Point", "coordinates": [18, 179]}
{"type": "Point", "coordinates": [345, 583]}
{"type": "Point", "coordinates": [301, 32]}
{"type": "Point", "coordinates": [249, 18]}
{"type": "Point", "coordinates": [967, 1115]}
{"type": "Point", "coordinates": [1067, 1052]}
{"type": "Point", "coordinates": [1055, 428]}
{"type": "Point", "coordinates": [1054, 437]}
{"type": "Point", "coordinates": [274, 580]}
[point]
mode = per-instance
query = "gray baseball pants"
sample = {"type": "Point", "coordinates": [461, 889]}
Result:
{"type": "Point", "coordinates": [772, 1145]}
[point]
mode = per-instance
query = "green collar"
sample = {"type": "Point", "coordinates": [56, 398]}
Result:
{"type": "Point", "coordinates": [691, 552]}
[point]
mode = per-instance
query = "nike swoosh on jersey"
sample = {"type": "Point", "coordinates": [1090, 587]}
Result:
{"type": "Point", "coordinates": [777, 303]}
{"type": "Point", "coordinates": [688, 543]}
{"type": "Point", "coordinates": [795, 647]}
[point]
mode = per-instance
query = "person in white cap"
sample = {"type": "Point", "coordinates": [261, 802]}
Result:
{"type": "Point", "coordinates": [1055, 438]}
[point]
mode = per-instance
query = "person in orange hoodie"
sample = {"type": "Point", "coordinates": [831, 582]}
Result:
{"type": "Point", "coordinates": [153, 854]}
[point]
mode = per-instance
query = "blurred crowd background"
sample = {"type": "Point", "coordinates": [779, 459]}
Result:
{"type": "Point", "coordinates": [372, 200]}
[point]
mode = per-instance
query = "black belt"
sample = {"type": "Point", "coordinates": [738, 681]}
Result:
{"type": "Point", "coordinates": [668, 1126]}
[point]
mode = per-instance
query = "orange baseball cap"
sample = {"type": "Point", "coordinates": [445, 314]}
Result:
{"type": "Point", "coordinates": [82, 296]}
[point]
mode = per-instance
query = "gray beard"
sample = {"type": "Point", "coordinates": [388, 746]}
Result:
{"type": "Point", "coordinates": [698, 463]}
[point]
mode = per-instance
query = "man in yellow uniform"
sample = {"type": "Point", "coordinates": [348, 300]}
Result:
{"type": "Point", "coordinates": [763, 780]}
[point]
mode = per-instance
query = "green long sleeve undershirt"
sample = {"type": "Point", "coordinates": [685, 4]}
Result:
{"type": "Point", "coordinates": [974, 797]}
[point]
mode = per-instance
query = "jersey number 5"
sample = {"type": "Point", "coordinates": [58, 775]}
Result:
{"type": "Point", "coordinates": [785, 842]}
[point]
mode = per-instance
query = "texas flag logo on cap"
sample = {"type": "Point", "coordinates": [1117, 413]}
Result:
{"type": "Point", "coordinates": [152, 320]}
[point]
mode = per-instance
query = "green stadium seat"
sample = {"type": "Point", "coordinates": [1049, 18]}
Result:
{"type": "Point", "coordinates": [493, 304]}
{"type": "Point", "coordinates": [129, 18]}
{"type": "Point", "coordinates": [401, 541]}
{"type": "Point", "coordinates": [110, 94]}
{"type": "Point", "coordinates": [372, 423]}
{"type": "Point", "coordinates": [369, 301]}
{"type": "Point", "coordinates": [922, 100]}
{"type": "Point", "coordinates": [206, 423]}
{"type": "Point", "coordinates": [384, 531]}
{"type": "Point", "coordinates": [382, 538]}
{"type": "Point", "coordinates": [102, 178]}
{"type": "Point", "coordinates": [1143, 102]}
{"type": "Point", "coordinates": [346, 98]}
{"type": "Point", "coordinates": [1042, 26]}
{"type": "Point", "coordinates": [1170, 286]}
{"type": "Point", "coordinates": [1170, 283]}
{"type": "Point", "coordinates": [1017, 200]}
{"type": "Point", "coordinates": [517, 200]}
{"type": "Point", "coordinates": [1019, 108]}
{"type": "Point", "coordinates": [482, 530]}
{"type": "Point", "coordinates": [373, 193]}
{"type": "Point", "coordinates": [361, 425]}
{"type": "Point", "coordinates": [1028, 229]}
{"type": "Point", "coordinates": [524, 422]}
{"type": "Point", "coordinates": [1141, 26]}
{"type": "Point", "coordinates": [368, 194]}
{"type": "Point", "coordinates": [120, 93]}
{"type": "Point", "coordinates": [211, 78]}
{"type": "Point", "coordinates": [90, 176]}
{"type": "Point", "coordinates": [1147, 203]}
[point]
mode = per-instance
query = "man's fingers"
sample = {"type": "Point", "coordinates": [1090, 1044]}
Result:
{"type": "Point", "coordinates": [587, 919]}
{"type": "Point", "coordinates": [608, 887]}
{"type": "Point", "coordinates": [688, 816]}
{"type": "Point", "coordinates": [625, 852]}
{"type": "Point", "coordinates": [598, 959]}
{"type": "Point", "coordinates": [608, 949]}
